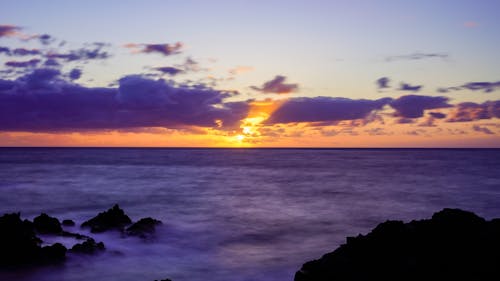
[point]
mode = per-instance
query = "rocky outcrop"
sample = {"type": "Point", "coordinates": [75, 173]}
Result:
{"type": "Point", "coordinates": [452, 245]}
{"type": "Point", "coordinates": [112, 219]}
{"type": "Point", "coordinates": [68, 223]}
{"type": "Point", "coordinates": [144, 228]}
{"type": "Point", "coordinates": [88, 247]}
{"type": "Point", "coordinates": [19, 246]}
{"type": "Point", "coordinates": [46, 224]}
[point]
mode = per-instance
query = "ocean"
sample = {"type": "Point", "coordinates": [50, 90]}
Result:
{"type": "Point", "coordinates": [235, 214]}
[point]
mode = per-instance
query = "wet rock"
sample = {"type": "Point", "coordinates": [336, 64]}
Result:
{"type": "Point", "coordinates": [452, 245]}
{"type": "Point", "coordinates": [88, 247]}
{"type": "Point", "coordinates": [114, 218]}
{"type": "Point", "coordinates": [143, 228]}
{"type": "Point", "coordinates": [68, 223]}
{"type": "Point", "coordinates": [19, 246]}
{"type": "Point", "coordinates": [46, 224]}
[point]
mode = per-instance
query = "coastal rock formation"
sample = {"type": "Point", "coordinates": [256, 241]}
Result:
{"type": "Point", "coordinates": [452, 245]}
{"type": "Point", "coordinates": [143, 228]}
{"type": "Point", "coordinates": [88, 247]}
{"type": "Point", "coordinates": [114, 218]}
{"type": "Point", "coordinates": [68, 223]}
{"type": "Point", "coordinates": [46, 224]}
{"type": "Point", "coordinates": [20, 246]}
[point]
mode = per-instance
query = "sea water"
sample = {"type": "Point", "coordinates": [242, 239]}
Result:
{"type": "Point", "coordinates": [235, 214]}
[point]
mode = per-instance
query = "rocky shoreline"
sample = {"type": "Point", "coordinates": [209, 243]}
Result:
{"type": "Point", "coordinates": [452, 245]}
{"type": "Point", "coordinates": [21, 246]}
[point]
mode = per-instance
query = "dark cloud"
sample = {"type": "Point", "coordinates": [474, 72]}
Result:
{"type": "Point", "coordinates": [277, 86]}
{"type": "Point", "coordinates": [417, 56]}
{"type": "Point", "coordinates": [5, 50]}
{"type": "Point", "coordinates": [51, 62]}
{"type": "Point", "coordinates": [410, 88]}
{"type": "Point", "coordinates": [321, 109]}
{"type": "Point", "coordinates": [82, 54]}
{"type": "Point", "coordinates": [44, 101]}
{"type": "Point", "coordinates": [485, 130]}
{"type": "Point", "coordinates": [413, 106]}
{"type": "Point", "coordinates": [75, 74]}
{"type": "Point", "coordinates": [9, 30]}
{"type": "Point", "coordinates": [45, 39]}
{"type": "Point", "coordinates": [25, 52]}
{"type": "Point", "coordinates": [23, 64]}
{"type": "Point", "coordinates": [486, 87]}
{"type": "Point", "coordinates": [470, 111]}
{"type": "Point", "coordinates": [437, 115]}
{"type": "Point", "coordinates": [164, 49]}
{"type": "Point", "coordinates": [169, 70]}
{"type": "Point", "coordinates": [383, 82]}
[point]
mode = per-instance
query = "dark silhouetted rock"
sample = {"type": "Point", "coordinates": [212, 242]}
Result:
{"type": "Point", "coordinates": [164, 280]}
{"type": "Point", "coordinates": [19, 246]}
{"type": "Point", "coordinates": [143, 228]}
{"type": "Point", "coordinates": [47, 225]}
{"type": "Point", "coordinates": [88, 247]}
{"type": "Point", "coordinates": [68, 223]}
{"type": "Point", "coordinates": [74, 235]}
{"type": "Point", "coordinates": [54, 253]}
{"type": "Point", "coordinates": [113, 218]}
{"type": "Point", "coordinates": [453, 245]}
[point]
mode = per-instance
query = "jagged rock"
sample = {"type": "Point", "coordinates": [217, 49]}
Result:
{"type": "Point", "coordinates": [143, 228]}
{"type": "Point", "coordinates": [46, 224]}
{"type": "Point", "coordinates": [88, 247]}
{"type": "Point", "coordinates": [68, 223]}
{"type": "Point", "coordinates": [19, 246]}
{"type": "Point", "coordinates": [453, 245]}
{"type": "Point", "coordinates": [114, 218]}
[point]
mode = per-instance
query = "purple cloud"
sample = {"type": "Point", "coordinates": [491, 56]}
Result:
{"type": "Point", "coordinates": [23, 64]}
{"type": "Point", "coordinates": [470, 111]}
{"type": "Point", "coordinates": [45, 39]}
{"type": "Point", "coordinates": [413, 106]}
{"type": "Point", "coordinates": [164, 49]}
{"type": "Point", "coordinates": [83, 54]}
{"type": "Point", "coordinates": [486, 87]}
{"type": "Point", "coordinates": [322, 109]}
{"type": "Point", "coordinates": [437, 115]}
{"type": "Point", "coordinates": [410, 88]}
{"type": "Point", "coordinates": [9, 30]}
{"type": "Point", "coordinates": [75, 74]}
{"type": "Point", "coordinates": [480, 129]}
{"type": "Point", "coordinates": [417, 56]}
{"type": "Point", "coordinates": [172, 71]}
{"type": "Point", "coordinates": [43, 101]}
{"type": "Point", "coordinates": [26, 52]}
{"type": "Point", "coordinates": [383, 82]}
{"type": "Point", "coordinates": [277, 86]}
{"type": "Point", "coordinates": [5, 50]}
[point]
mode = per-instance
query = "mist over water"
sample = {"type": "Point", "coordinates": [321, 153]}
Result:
{"type": "Point", "coordinates": [236, 214]}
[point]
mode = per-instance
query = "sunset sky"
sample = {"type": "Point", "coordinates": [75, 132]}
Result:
{"type": "Point", "coordinates": [250, 73]}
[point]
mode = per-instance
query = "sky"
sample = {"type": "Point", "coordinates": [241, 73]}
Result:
{"type": "Point", "coordinates": [258, 73]}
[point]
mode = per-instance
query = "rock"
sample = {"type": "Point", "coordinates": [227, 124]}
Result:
{"type": "Point", "coordinates": [74, 235]}
{"type": "Point", "coordinates": [19, 246]}
{"type": "Point", "coordinates": [54, 253]}
{"type": "Point", "coordinates": [88, 247]}
{"type": "Point", "coordinates": [46, 224]}
{"type": "Point", "coordinates": [114, 218]}
{"type": "Point", "coordinates": [68, 223]}
{"type": "Point", "coordinates": [452, 245]}
{"type": "Point", "coordinates": [164, 280]}
{"type": "Point", "coordinates": [143, 228]}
